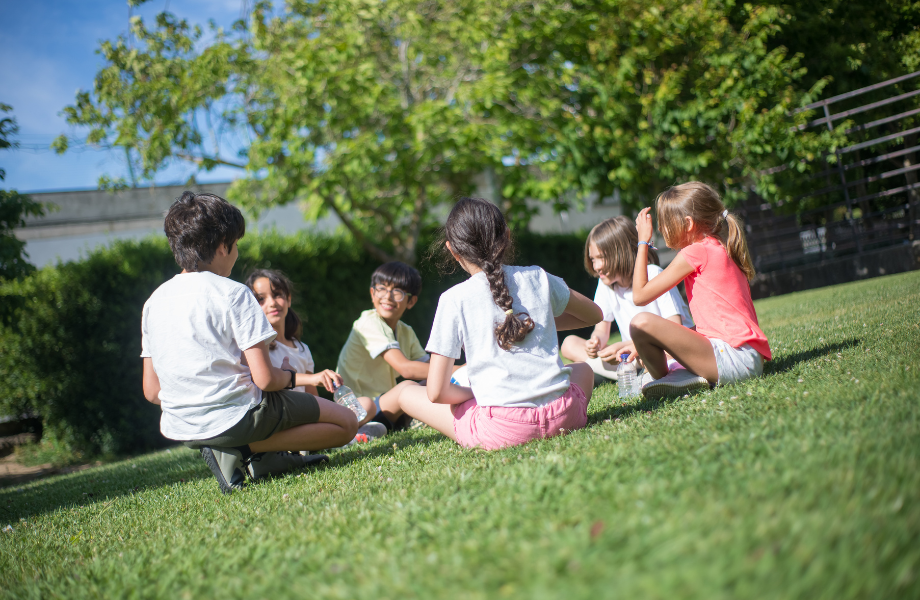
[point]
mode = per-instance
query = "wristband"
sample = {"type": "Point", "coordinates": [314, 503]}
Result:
{"type": "Point", "coordinates": [290, 386]}
{"type": "Point", "coordinates": [649, 244]}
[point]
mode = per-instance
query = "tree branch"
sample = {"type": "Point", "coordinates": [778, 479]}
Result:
{"type": "Point", "coordinates": [373, 250]}
{"type": "Point", "coordinates": [198, 160]}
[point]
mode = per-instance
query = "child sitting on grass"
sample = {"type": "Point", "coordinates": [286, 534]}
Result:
{"type": "Point", "coordinates": [274, 292]}
{"type": "Point", "coordinates": [505, 319]}
{"type": "Point", "coordinates": [206, 359]}
{"type": "Point", "coordinates": [380, 347]}
{"type": "Point", "coordinates": [728, 344]}
{"type": "Point", "coordinates": [610, 255]}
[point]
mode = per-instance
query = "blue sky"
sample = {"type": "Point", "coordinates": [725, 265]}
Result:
{"type": "Point", "coordinates": [47, 53]}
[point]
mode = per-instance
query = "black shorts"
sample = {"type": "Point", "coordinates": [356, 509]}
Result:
{"type": "Point", "coordinates": [278, 411]}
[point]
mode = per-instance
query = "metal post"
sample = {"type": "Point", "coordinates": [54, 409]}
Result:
{"type": "Point", "coordinates": [843, 182]}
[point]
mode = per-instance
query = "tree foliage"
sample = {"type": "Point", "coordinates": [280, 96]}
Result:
{"type": "Point", "coordinates": [380, 112]}
{"type": "Point", "coordinates": [14, 208]}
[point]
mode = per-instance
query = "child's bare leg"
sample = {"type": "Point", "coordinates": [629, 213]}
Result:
{"type": "Point", "coordinates": [573, 348]}
{"type": "Point", "coordinates": [389, 402]}
{"type": "Point", "coordinates": [336, 427]}
{"type": "Point", "coordinates": [654, 336]}
{"type": "Point", "coordinates": [413, 400]}
{"type": "Point", "coordinates": [369, 407]}
{"type": "Point", "coordinates": [583, 377]}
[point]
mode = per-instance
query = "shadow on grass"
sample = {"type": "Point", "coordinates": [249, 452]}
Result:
{"type": "Point", "coordinates": [774, 367]}
{"type": "Point", "coordinates": [402, 439]}
{"type": "Point", "coordinates": [786, 362]}
{"type": "Point", "coordinates": [627, 410]}
{"type": "Point", "coordinates": [106, 483]}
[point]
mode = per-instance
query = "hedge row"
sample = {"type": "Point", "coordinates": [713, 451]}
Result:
{"type": "Point", "coordinates": [70, 338]}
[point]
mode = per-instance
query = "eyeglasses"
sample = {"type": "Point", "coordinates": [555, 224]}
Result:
{"type": "Point", "coordinates": [398, 294]}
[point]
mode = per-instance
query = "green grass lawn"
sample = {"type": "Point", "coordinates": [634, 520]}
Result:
{"type": "Point", "coordinates": [802, 484]}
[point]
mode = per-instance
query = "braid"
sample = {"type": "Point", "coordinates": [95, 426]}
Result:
{"type": "Point", "coordinates": [477, 232]}
{"type": "Point", "coordinates": [515, 327]}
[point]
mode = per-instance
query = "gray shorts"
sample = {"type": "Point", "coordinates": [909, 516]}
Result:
{"type": "Point", "coordinates": [278, 411]}
{"type": "Point", "coordinates": [736, 364]}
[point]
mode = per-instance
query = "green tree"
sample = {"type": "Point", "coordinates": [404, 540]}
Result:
{"type": "Point", "coordinates": [380, 112]}
{"type": "Point", "coordinates": [14, 208]}
{"type": "Point", "coordinates": [636, 96]}
{"type": "Point", "coordinates": [852, 43]}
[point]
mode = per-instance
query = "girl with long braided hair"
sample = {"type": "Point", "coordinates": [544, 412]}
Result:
{"type": "Point", "coordinates": [505, 319]}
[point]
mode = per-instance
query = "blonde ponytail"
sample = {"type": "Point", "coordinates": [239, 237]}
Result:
{"type": "Point", "coordinates": [736, 246]}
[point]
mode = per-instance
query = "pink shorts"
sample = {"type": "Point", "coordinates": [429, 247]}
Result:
{"type": "Point", "coordinates": [494, 427]}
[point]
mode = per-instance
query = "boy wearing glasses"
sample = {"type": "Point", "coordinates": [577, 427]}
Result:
{"type": "Point", "coordinates": [380, 347]}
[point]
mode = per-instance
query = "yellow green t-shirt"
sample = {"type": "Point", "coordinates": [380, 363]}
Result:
{"type": "Point", "coordinates": [361, 365]}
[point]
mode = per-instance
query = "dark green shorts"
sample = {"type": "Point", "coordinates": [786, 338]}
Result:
{"type": "Point", "coordinates": [278, 411]}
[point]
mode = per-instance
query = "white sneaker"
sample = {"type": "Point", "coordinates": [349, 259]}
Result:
{"type": "Point", "coordinates": [675, 383]}
{"type": "Point", "coordinates": [367, 432]}
{"type": "Point", "coordinates": [604, 369]}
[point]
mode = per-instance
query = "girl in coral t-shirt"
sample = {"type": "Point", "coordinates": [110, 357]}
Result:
{"type": "Point", "coordinates": [728, 344]}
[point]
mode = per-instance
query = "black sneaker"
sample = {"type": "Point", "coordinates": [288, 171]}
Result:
{"type": "Point", "coordinates": [402, 422]}
{"type": "Point", "coordinates": [227, 466]}
{"type": "Point", "coordinates": [264, 464]}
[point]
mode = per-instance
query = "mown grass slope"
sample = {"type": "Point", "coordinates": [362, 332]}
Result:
{"type": "Point", "coordinates": [805, 483]}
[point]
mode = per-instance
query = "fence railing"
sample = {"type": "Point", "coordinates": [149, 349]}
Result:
{"type": "Point", "coordinates": [866, 199]}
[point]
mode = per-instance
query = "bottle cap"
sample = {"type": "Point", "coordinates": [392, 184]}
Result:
{"type": "Point", "coordinates": [624, 356]}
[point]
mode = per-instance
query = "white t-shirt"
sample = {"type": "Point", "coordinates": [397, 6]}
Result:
{"type": "Point", "coordinates": [195, 328]}
{"type": "Point", "coordinates": [617, 304]}
{"type": "Point", "coordinates": [299, 356]}
{"type": "Point", "coordinates": [531, 374]}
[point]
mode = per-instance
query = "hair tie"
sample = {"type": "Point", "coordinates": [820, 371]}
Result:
{"type": "Point", "coordinates": [725, 214]}
{"type": "Point", "coordinates": [510, 311]}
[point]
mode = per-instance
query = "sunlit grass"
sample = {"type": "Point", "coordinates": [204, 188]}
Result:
{"type": "Point", "coordinates": [804, 483]}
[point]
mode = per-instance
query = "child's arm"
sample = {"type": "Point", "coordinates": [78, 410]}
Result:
{"type": "Point", "coordinates": [644, 291]}
{"type": "Point", "coordinates": [268, 378]}
{"type": "Point", "coordinates": [407, 369]}
{"type": "Point", "coordinates": [579, 313]}
{"type": "Point", "coordinates": [151, 382]}
{"type": "Point", "coordinates": [598, 340]}
{"type": "Point", "coordinates": [328, 379]}
{"type": "Point", "coordinates": [440, 389]}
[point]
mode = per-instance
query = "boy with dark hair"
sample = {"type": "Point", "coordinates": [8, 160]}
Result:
{"type": "Point", "coordinates": [380, 347]}
{"type": "Point", "coordinates": [206, 363]}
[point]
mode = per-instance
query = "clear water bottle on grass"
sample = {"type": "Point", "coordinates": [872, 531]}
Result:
{"type": "Point", "coordinates": [626, 377]}
{"type": "Point", "coordinates": [344, 396]}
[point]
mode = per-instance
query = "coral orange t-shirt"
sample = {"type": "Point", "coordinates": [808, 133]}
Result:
{"type": "Point", "coordinates": [720, 297]}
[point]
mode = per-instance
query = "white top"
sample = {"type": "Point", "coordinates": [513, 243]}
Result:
{"type": "Point", "coordinates": [617, 303]}
{"type": "Point", "coordinates": [195, 328]}
{"type": "Point", "coordinates": [299, 356]}
{"type": "Point", "coordinates": [531, 374]}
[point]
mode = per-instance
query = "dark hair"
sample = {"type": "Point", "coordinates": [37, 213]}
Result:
{"type": "Point", "coordinates": [280, 286]}
{"type": "Point", "coordinates": [398, 274]}
{"type": "Point", "coordinates": [478, 233]}
{"type": "Point", "coordinates": [197, 225]}
{"type": "Point", "coordinates": [617, 241]}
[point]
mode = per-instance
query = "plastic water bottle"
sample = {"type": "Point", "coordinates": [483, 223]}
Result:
{"type": "Point", "coordinates": [344, 396]}
{"type": "Point", "coordinates": [626, 377]}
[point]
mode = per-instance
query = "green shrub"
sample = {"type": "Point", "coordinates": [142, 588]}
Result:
{"type": "Point", "coordinates": [71, 350]}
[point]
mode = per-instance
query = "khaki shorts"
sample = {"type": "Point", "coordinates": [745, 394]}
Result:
{"type": "Point", "coordinates": [278, 411]}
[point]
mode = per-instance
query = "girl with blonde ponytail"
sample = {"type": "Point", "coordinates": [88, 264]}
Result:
{"type": "Point", "coordinates": [505, 320]}
{"type": "Point", "coordinates": [728, 344]}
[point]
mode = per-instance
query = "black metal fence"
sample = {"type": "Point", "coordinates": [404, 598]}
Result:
{"type": "Point", "coordinates": [869, 198]}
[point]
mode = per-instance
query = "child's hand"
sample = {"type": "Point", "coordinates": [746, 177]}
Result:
{"type": "Point", "coordinates": [592, 346]}
{"type": "Point", "coordinates": [612, 352]}
{"type": "Point", "coordinates": [644, 225]}
{"type": "Point", "coordinates": [329, 379]}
